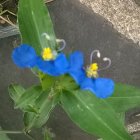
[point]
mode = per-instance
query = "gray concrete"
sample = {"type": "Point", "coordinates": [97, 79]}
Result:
{"type": "Point", "coordinates": [123, 14]}
{"type": "Point", "coordinates": [8, 31]}
{"type": "Point", "coordinates": [83, 30]}
{"type": "Point", "coordinates": [137, 2]}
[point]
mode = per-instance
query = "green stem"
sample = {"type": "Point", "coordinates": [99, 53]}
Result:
{"type": "Point", "coordinates": [29, 136]}
{"type": "Point", "coordinates": [11, 132]}
{"type": "Point", "coordinates": [17, 132]}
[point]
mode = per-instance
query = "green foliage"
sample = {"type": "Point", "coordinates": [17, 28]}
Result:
{"type": "Point", "coordinates": [3, 136]}
{"type": "Point", "coordinates": [24, 100]}
{"type": "Point", "coordinates": [15, 91]}
{"type": "Point", "coordinates": [34, 20]}
{"type": "Point", "coordinates": [36, 103]}
{"type": "Point", "coordinates": [124, 98]}
{"type": "Point", "coordinates": [48, 135]}
{"type": "Point", "coordinates": [81, 106]}
{"type": "Point", "coordinates": [29, 97]}
{"type": "Point", "coordinates": [45, 104]}
{"type": "Point", "coordinates": [93, 115]}
{"type": "Point", "coordinates": [101, 117]}
{"type": "Point", "coordinates": [47, 81]}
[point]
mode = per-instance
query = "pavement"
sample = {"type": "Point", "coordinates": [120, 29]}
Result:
{"type": "Point", "coordinates": [83, 30]}
{"type": "Point", "coordinates": [124, 15]}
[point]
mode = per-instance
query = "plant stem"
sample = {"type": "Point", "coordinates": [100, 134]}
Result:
{"type": "Point", "coordinates": [48, 1]}
{"type": "Point", "coordinates": [7, 21]}
{"type": "Point", "coordinates": [17, 132]}
{"type": "Point", "coordinates": [11, 132]}
{"type": "Point", "coordinates": [29, 136]}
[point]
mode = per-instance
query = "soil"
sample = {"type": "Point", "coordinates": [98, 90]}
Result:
{"type": "Point", "coordinates": [9, 6]}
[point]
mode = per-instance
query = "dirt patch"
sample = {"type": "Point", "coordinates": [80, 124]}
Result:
{"type": "Point", "coordinates": [8, 10]}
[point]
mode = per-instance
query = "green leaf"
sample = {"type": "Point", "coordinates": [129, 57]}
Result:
{"type": "Point", "coordinates": [34, 20]}
{"type": "Point", "coordinates": [28, 97]}
{"type": "Point", "coordinates": [67, 82]}
{"type": "Point", "coordinates": [29, 120]}
{"type": "Point", "coordinates": [122, 117]}
{"type": "Point", "coordinates": [15, 91]}
{"type": "Point", "coordinates": [93, 115]}
{"type": "Point", "coordinates": [48, 135]}
{"type": "Point", "coordinates": [45, 104]}
{"type": "Point", "coordinates": [3, 136]}
{"type": "Point", "coordinates": [47, 81]}
{"type": "Point", "coordinates": [124, 98]}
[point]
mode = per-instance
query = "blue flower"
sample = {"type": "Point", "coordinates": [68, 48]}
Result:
{"type": "Point", "coordinates": [76, 62]}
{"type": "Point", "coordinates": [55, 67]}
{"type": "Point", "coordinates": [101, 87]}
{"type": "Point", "coordinates": [55, 64]}
{"type": "Point", "coordinates": [24, 56]}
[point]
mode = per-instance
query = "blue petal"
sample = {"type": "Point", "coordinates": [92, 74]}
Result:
{"type": "Point", "coordinates": [87, 84]}
{"type": "Point", "coordinates": [55, 67]}
{"type": "Point", "coordinates": [47, 67]}
{"type": "Point", "coordinates": [78, 75]}
{"type": "Point", "coordinates": [24, 56]}
{"type": "Point", "coordinates": [61, 63]}
{"type": "Point", "coordinates": [76, 60]}
{"type": "Point", "coordinates": [101, 87]}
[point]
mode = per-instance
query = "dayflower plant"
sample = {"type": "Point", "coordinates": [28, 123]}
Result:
{"type": "Point", "coordinates": [65, 80]}
{"type": "Point", "coordinates": [55, 64]}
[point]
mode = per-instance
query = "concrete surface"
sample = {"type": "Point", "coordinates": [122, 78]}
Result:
{"type": "Point", "coordinates": [137, 2]}
{"type": "Point", "coordinates": [123, 14]}
{"type": "Point", "coordinates": [83, 30]}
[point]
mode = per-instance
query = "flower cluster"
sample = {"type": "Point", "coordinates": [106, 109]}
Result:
{"type": "Point", "coordinates": [55, 64]}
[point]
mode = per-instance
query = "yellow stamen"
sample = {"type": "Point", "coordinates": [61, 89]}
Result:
{"type": "Point", "coordinates": [92, 70]}
{"type": "Point", "coordinates": [47, 54]}
{"type": "Point", "coordinates": [94, 67]}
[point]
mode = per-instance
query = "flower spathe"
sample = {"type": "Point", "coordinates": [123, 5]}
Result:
{"type": "Point", "coordinates": [101, 87]}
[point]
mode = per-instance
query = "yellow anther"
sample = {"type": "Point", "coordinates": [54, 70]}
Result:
{"type": "Point", "coordinates": [93, 67]}
{"type": "Point", "coordinates": [47, 54]}
{"type": "Point", "coordinates": [92, 70]}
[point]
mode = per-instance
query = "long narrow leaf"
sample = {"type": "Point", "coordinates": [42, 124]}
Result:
{"type": "Point", "coordinates": [45, 105]}
{"type": "Point", "coordinates": [3, 136]}
{"type": "Point", "coordinates": [15, 91]}
{"type": "Point", "coordinates": [125, 97]}
{"type": "Point", "coordinates": [28, 97]}
{"type": "Point", "coordinates": [34, 20]}
{"type": "Point", "coordinates": [93, 115]}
